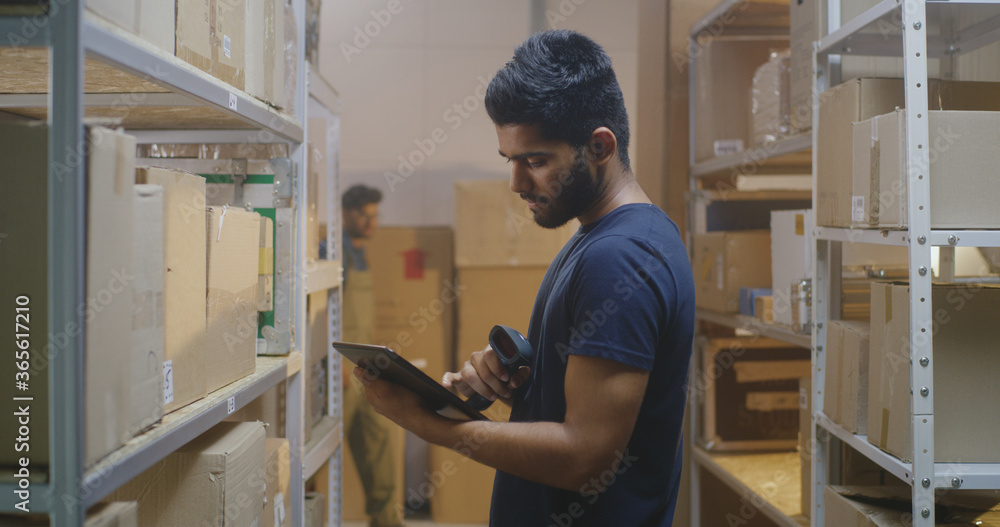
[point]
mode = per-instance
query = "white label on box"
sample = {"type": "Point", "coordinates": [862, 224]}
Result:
{"type": "Point", "coordinates": [279, 509]}
{"type": "Point", "coordinates": [232, 101]}
{"type": "Point", "coordinates": [725, 147]}
{"type": "Point", "coordinates": [721, 272]}
{"type": "Point", "coordinates": [858, 208]}
{"type": "Point", "coordinates": [227, 46]}
{"type": "Point", "coordinates": [168, 382]}
{"type": "Point", "coordinates": [231, 403]}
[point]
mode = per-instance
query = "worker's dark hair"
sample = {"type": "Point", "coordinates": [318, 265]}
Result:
{"type": "Point", "coordinates": [562, 82]}
{"type": "Point", "coordinates": [359, 195]}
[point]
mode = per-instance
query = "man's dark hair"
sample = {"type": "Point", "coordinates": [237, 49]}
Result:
{"type": "Point", "coordinates": [359, 195]}
{"type": "Point", "coordinates": [562, 82]}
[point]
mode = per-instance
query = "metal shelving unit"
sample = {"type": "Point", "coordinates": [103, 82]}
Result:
{"type": "Point", "coordinates": [771, 479]}
{"type": "Point", "coordinates": [916, 30]}
{"type": "Point", "coordinates": [76, 40]}
{"type": "Point", "coordinates": [740, 19]}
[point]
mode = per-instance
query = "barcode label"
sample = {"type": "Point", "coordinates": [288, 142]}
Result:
{"type": "Point", "coordinates": [232, 101]}
{"type": "Point", "coordinates": [227, 46]}
{"type": "Point", "coordinates": [232, 404]}
{"type": "Point", "coordinates": [858, 206]}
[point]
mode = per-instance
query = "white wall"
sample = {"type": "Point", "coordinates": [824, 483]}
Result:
{"type": "Point", "coordinates": [415, 76]}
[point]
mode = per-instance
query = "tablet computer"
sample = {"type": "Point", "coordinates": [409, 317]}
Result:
{"type": "Point", "coordinates": [382, 362]}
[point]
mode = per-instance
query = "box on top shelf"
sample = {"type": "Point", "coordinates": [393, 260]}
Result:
{"type": "Point", "coordinates": [194, 33]}
{"type": "Point", "coordinates": [963, 161]}
{"type": "Point", "coordinates": [862, 99]}
{"type": "Point", "coordinates": [153, 20]}
{"type": "Point", "coordinates": [265, 51]}
{"type": "Point", "coordinates": [748, 393]}
{"type": "Point", "coordinates": [722, 108]}
{"type": "Point", "coordinates": [965, 363]}
{"type": "Point", "coordinates": [229, 41]}
{"type": "Point", "coordinates": [723, 262]}
{"type": "Point", "coordinates": [494, 227]}
{"type": "Point", "coordinates": [184, 286]}
{"type": "Point", "coordinates": [846, 397]}
{"type": "Point", "coordinates": [232, 252]}
{"type": "Point", "coordinates": [147, 308]}
{"type": "Point", "coordinates": [770, 104]}
{"type": "Point", "coordinates": [216, 479]}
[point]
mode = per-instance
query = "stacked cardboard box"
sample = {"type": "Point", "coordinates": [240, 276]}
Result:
{"type": "Point", "coordinates": [216, 479]}
{"type": "Point", "coordinates": [109, 280]}
{"type": "Point", "coordinates": [846, 398]}
{"type": "Point", "coordinates": [184, 286]}
{"type": "Point", "coordinates": [113, 514]}
{"type": "Point", "coordinates": [964, 333]}
{"type": "Point", "coordinates": [277, 476]}
{"type": "Point", "coordinates": [862, 99]}
{"type": "Point", "coordinates": [724, 262]}
{"type": "Point", "coordinates": [153, 20]}
{"type": "Point", "coordinates": [147, 308]}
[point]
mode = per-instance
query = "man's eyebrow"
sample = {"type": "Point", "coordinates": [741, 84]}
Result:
{"type": "Point", "coordinates": [534, 153]}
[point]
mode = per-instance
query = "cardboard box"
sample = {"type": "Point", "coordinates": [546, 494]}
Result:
{"type": "Point", "coordinates": [228, 26]}
{"type": "Point", "coordinates": [147, 308]}
{"type": "Point", "coordinates": [114, 514]}
{"type": "Point", "coordinates": [770, 103]}
{"type": "Point", "coordinates": [122, 14]}
{"type": "Point", "coordinates": [846, 397]}
{"type": "Point", "coordinates": [871, 506]}
{"type": "Point", "coordinates": [964, 339]}
{"type": "Point", "coordinates": [24, 224]}
{"type": "Point", "coordinates": [110, 207]}
{"type": "Point", "coordinates": [494, 227]}
{"type": "Point", "coordinates": [216, 479]}
{"type": "Point", "coordinates": [184, 286]}
{"type": "Point", "coordinates": [269, 409]}
{"type": "Point", "coordinates": [416, 294]}
{"type": "Point", "coordinates": [155, 23]}
{"type": "Point", "coordinates": [461, 488]}
{"type": "Point", "coordinates": [232, 251]}
{"type": "Point", "coordinates": [193, 42]}
{"type": "Point", "coordinates": [315, 508]}
{"type": "Point", "coordinates": [491, 296]}
{"type": "Point", "coordinates": [277, 476]}
{"type": "Point", "coordinates": [723, 262]}
{"type": "Point", "coordinates": [962, 165]}
{"type": "Point", "coordinates": [265, 58]}
{"type": "Point", "coordinates": [748, 393]}
{"type": "Point", "coordinates": [724, 72]}
{"type": "Point", "coordinates": [763, 308]}
{"type": "Point", "coordinates": [862, 99]}
{"type": "Point", "coordinates": [791, 258]}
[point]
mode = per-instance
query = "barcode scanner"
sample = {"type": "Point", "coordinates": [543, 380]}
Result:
{"type": "Point", "coordinates": [513, 351]}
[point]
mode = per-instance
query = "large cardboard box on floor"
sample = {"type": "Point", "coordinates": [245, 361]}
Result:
{"type": "Point", "coordinates": [216, 479]}
{"type": "Point", "coordinates": [278, 504]}
{"type": "Point", "coordinates": [494, 227]}
{"type": "Point", "coordinates": [416, 294]}
{"type": "Point", "coordinates": [184, 286]}
{"type": "Point", "coordinates": [962, 178]}
{"type": "Point", "coordinates": [460, 489]}
{"type": "Point", "coordinates": [846, 397]}
{"type": "Point", "coordinates": [724, 71]}
{"type": "Point", "coordinates": [862, 99]}
{"type": "Point", "coordinates": [965, 334]}
{"type": "Point", "coordinates": [147, 308]}
{"type": "Point", "coordinates": [723, 262]}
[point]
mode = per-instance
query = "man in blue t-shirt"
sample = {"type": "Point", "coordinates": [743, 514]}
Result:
{"type": "Point", "coordinates": [595, 431]}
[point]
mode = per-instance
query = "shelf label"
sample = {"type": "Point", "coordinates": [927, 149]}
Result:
{"type": "Point", "coordinates": [227, 46]}
{"type": "Point", "coordinates": [232, 101]}
{"type": "Point", "coordinates": [232, 404]}
{"type": "Point", "coordinates": [168, 382]}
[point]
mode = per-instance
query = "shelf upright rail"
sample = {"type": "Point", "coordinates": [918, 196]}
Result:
{"type": "Point", "coordinates": [67, 258]}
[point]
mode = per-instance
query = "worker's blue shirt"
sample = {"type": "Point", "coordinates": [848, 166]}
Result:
{"type": "Point", "coordinates": [620, 289]}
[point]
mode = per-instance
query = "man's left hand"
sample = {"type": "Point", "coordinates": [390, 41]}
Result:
{"type": "Point", "coordinates": [400, 405]}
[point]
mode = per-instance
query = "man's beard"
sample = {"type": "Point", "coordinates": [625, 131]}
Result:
{"type": "Point", "coordinates": [569, 200]}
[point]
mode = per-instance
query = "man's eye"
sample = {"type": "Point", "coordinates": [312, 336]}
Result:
{"type": "Point", "coordinates": [536, 164]}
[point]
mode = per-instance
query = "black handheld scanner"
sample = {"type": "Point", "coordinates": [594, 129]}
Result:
{"type": "Point", "coordinates": [513, 350]}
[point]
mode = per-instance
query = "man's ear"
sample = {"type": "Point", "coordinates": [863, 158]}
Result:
{"type": "Point", "coordinates": [603, 145]}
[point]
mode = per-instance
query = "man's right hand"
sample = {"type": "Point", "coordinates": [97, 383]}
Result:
{"type": "Point", "coordinates": [484, 374]}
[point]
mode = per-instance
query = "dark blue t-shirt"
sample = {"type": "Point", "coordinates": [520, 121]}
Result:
{"type": "Point", "coordinates": [620, 289]}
